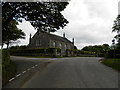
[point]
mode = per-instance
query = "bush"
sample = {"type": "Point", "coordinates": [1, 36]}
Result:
{"type": "Point", "coordinates": [5, 58]}
{"type": "Point", "coordinates": [8, 67]}
{"type": "Point", "coordinates": [113, 54]}
{"type": "Point", "coordinates": [29, 51]}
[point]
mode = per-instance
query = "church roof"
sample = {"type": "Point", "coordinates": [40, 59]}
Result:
{"type": "Point", "coordinates": [56, 37]}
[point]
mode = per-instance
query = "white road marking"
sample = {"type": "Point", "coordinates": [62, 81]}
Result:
{"type": "Point", "coordinates": [36, 65]}
{"type": "Point", "coordinates": [11, 79]}
{"type": "Point", "coordinates": [33, 67]}
{"type": "Point", "coordinates": [24, 72]}
{"type": "Point", "coordinates": [28, 69]}
{"type": "Point", "coordinates": [18, 75]}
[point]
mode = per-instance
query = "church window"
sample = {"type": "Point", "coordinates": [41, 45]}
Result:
{"type": "Point", "coordinates": [60, 45]}
{"type": "Point", "coordinates": [69, 47]}
{"type": "Point", "coordinates": [65, 46]}
{"type": "Point", "coordinates": [54, 44]}
{"type": "Point", "coordinates": [37, 42]}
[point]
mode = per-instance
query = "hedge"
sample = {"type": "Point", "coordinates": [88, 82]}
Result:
{"type": "Point", "coordinates": [113, 54]}
{"type": "Point", "coordinates": [75, 51]}
{"type": "Point", "coordinates": [8, 67]}
{"type": "Point", "coordinates": [33, 51]}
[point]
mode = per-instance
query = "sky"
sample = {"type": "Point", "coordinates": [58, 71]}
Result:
{"type": "Point", "coordinates": [90, 22]}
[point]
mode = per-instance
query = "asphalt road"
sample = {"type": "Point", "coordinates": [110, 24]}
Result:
{"type": "Point", "coordinates": [77, 72]}
{"type": "Point", "coordinates": [26, 69]}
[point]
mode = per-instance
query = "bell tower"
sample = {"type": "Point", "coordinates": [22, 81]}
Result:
{"type": "Point", "coordinates": [73, 40]}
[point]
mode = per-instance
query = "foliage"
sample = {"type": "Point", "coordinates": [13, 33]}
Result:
{"type": "Point", "coordinates": [45, 16]}
{"type": "Point", "coordinates": [99, 50]}
{"type": "Point", "coordinates": [33, 51]}
{"type": "Point", "coordinates": [80, 52]}
{"type": "Point", "coordinates": [116, 28]}
{"type": "Point", "coordinates": [113, 53]}
{"type": "Point", "coordinates": [5, 58]}
{"type": "Point", "coordinates": [114, 63]}
{"type": "Point", "coordinates": [8, 67]}
{"type": "Point", "coordinates": [12, 33]}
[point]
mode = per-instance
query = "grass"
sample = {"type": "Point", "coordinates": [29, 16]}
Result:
{"type": "Point", "coordinates": [113, 63]}
{"type": "Point", "coordinates": [8, 71]}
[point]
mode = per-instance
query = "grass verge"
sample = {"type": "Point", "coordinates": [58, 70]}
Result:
{"type": "Point", "coordinates": [113, 63]}
{"type": "Point", "coordinates": [8, 67]}
{"type": "Point", "coordinates": [8, 72]}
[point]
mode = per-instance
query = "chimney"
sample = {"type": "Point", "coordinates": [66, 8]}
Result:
{"type": "Point", "coordinates": [73, 40]}
{"type": "Point", "coordinates": [64, 35]}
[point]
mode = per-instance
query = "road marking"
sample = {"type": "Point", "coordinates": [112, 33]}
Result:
{"type": "Point", "coordinates": [36, 65]}
{"type": "Point", "coordinates": [18, 75]}
{"type": "Point", "coordinates": [28, 69]}
{"type": "Point", "coordinates": [33, 67]}
{"type": "Point", "coordinates": [24, 72]}
{"type": "Point", "coordinates": [11, 79]}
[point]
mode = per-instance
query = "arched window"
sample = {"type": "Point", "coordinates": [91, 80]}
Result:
{"type": "Point", "coordinates": [69, 47]}
{"type": "Point", "coordinates": [54, 44]}
{"type": "Point", "coordinates": [65, 46]}
{"type": "Point", "coordinates": [60, 45]}
{"type": "Point", "coordinates": [38, 42]}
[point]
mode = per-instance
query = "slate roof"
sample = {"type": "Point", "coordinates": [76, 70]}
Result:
{"type": "Point", "coordinates": [58, 38]}
{"type": "Point", "coordinates": [55, 37]}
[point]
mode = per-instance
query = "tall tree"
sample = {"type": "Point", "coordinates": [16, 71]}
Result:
{"type": "Point", "coordinates": [98, 49]}
{"type": "Point", "coordinates": [43, 16]}
{"type": "Point", "coordinates": [116, 28]}
{"type": "Point", "coordinates": [12, 34]}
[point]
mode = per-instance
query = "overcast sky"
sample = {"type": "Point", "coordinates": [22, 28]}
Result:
{"type": "Point", "coordinates": [90, 22]}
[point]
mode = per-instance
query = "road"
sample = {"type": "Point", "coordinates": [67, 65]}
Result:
{"type": "Point", "coordinates": [76, 72]}
{"type": "Point", "coordinates": [26, 69]}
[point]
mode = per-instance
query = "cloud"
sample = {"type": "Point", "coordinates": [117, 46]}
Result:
{"type": "Point", "coordinates": [90, 21]}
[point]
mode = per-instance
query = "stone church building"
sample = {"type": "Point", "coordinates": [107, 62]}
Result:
{"type": "Point", "coordinates": [46, 40]}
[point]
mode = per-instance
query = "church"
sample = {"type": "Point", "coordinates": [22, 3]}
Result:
{"type": "Point", "coordinates": [43, 39]}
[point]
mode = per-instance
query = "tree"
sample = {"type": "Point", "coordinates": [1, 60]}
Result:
{"type": "Point", "coordinates": [116, 28]}
{"type": "Point", "coordinates": [87, 48]}
{"type": "Point", "coordinates": [43, 16]}
{"type": "Point", "coordinates": [100, 50]}
{"type": "Point", "coordinates": [105, 47]}
{"type": "Point", "coordinates": [12, 34]}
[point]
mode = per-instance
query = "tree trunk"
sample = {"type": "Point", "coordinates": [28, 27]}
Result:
{"type": "Point", "coordinates": [7, 44]}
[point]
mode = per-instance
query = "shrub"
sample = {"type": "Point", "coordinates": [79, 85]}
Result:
{"type": "Point", "coordinates": [8, 67]}
{"type": "Point", "coordinates": [33, 51]}
{"type": "Point", "coordinates": [113, 54]}
{"type": "Point", "coordinates": [5, 57]}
